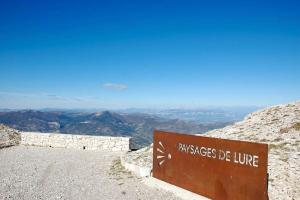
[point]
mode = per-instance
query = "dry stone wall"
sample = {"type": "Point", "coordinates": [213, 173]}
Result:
{"type": "Point", "coordinates": [76, 141]}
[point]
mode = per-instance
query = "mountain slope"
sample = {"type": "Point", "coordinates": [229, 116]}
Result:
{"type": "Point", "coordinates": [136, 125]}
{"type": "Point", "coordinates": [278, 126]}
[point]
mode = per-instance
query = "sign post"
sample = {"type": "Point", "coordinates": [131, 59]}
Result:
{"type": "Point", "coordinates": [215, 168]}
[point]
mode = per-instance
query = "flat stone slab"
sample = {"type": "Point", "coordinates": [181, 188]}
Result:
{"type": "Point", "coordinates": [56, 173]}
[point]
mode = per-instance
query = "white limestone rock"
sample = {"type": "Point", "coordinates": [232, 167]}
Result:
{"type": "Point", "coordinates": [8, 136]}
{"type": "Point", "coordinates": [279, 127]}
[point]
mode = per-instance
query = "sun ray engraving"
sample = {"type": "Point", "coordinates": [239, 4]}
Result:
{"type": "Point", "coordinates": [160, 151]}
{"type": "Point", "coordinates": [161, 144]}
{"type": "Point", "coordinates": [161, 162]}
{"type": "Point", "coordinates": [158, 157]}
{"type": "Point", "coordinates": [162, 156]}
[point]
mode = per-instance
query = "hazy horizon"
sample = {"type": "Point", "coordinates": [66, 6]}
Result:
{"type": "Point", "coordinates": [138, 108]}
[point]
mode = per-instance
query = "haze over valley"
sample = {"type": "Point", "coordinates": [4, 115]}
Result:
{"type": "Point", "coordinates": [136, 123]}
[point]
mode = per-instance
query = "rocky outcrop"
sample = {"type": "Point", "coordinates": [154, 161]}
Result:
{"type": "Point", "coordinates": [278, 126]}
{"type": "Point", "coordinates": [8, 136]}
{"type": "Point", "coordinates": [139, 162]}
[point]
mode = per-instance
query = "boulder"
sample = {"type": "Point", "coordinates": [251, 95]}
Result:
{"type": "Point", "coordinates": [8, 136]}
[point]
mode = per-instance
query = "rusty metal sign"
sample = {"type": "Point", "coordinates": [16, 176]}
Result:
{"type": "Point", "coordinates": [215, 168]}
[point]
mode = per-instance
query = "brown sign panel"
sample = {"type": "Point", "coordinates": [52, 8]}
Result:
{"type": "Point", "coordinates": [215, 168]}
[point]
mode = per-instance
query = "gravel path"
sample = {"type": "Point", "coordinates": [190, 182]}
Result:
{"type": "Point", "coordinates": [49, 173]}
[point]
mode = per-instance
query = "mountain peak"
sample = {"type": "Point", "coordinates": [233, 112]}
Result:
{"type": "Point", "coordinates": [106, 113]}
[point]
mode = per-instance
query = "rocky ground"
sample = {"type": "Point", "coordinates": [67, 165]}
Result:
{"type": "Point", "coordinates": [8, 136]}
{"type": "Point", "coordinates": [278, 126]}
{"type": "Point", "coordinates": [57, 173]}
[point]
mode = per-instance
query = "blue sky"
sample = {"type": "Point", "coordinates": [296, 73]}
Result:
{"type": "Point", "coordinates": [119, 54]}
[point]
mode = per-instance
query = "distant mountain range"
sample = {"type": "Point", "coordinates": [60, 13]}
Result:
{"type": "Point", "coordinates": [136, 125]}
{"type": "Point", "coordinates": [204, 115]}
{"type": "Point", "coordinates": [197, 115]}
